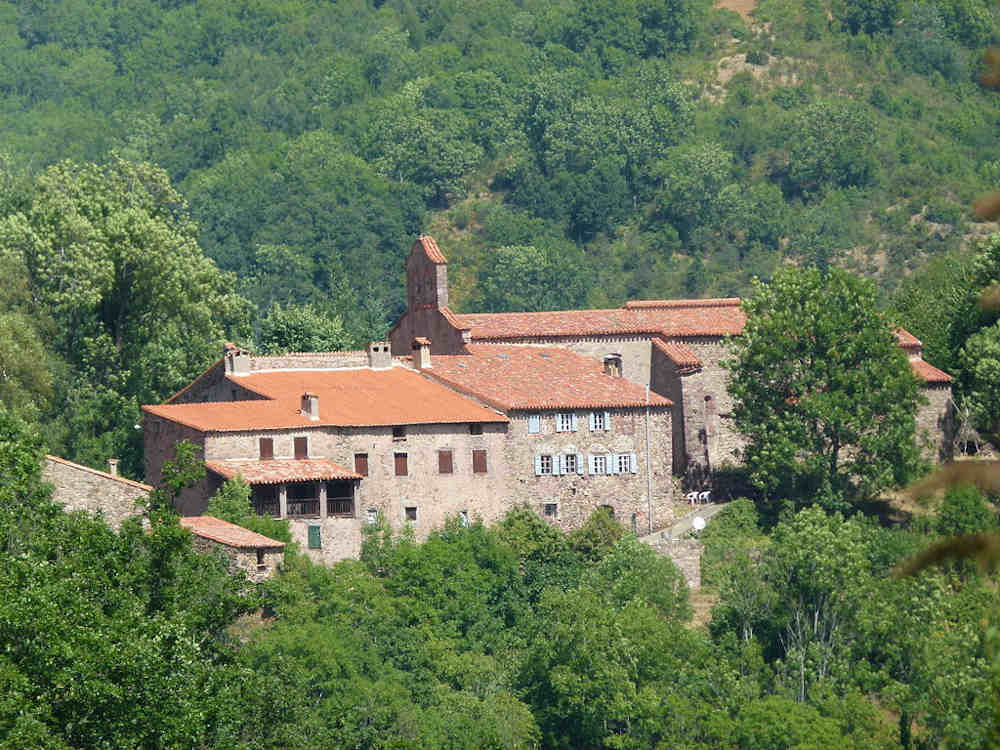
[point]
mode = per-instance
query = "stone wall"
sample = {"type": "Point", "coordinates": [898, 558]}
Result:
{"type": "Point", "coordinates": [667, 381]}
{"type": "Point", "coordinates": [685, 554]}
{"type": "Point", "coordinates": [244, 559]}
{"type": "Point", "coordinates": [435, 496]}
{"type": "Point", "coordinates": [936, 423]}
{"type": "Point", "coordinates": [308, 361]}
{"type": "Point", "coordinates": [576, 496]}
{"type": "Point", "coordinates": [82, 488]}
{"type": "Point", "coordinates": [159, 437]}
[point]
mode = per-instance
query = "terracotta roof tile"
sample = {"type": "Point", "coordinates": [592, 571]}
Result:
{"type": "Point", "coordinates": [650, 304]}
{"type": "Point", "coordinates": [431, 249]}
{"type": "Point", "coordinates": [907, 340]}
{"type": "Point", "coordinates": [685, 359]}
{"type": "Point", "coordinates": [453, 318]}
{"type": "Point", "coordinates": [533, 377]}
{"type": "Point", "coordinates": [278, 471]}
{"type": "Point", "coordinates": [227, 533]}
{"type": "Point", "coordinates": [677, 318]}
{"type": "Point", "coordinates": [928, 372]}
{"type": "Point", "coordinates": [347, 398]}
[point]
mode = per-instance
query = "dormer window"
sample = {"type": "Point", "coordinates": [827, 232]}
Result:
{"type": "Point", "coordinates": [613, 365]}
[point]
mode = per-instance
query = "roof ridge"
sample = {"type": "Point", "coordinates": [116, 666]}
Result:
{"type": "Point", "coordinates": [105, 474]}
{"type": "Point", "coordinates": [646, 304]}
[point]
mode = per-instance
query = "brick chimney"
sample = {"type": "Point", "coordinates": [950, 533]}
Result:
{"type": "Point", "coordinates": [113, 467]}
{"type": "Point", "coordinates": [379, 355]}
{"type": "Point", "coordinates": [310, 406]}
{"type": "Point", "coordinates": [422, 353]}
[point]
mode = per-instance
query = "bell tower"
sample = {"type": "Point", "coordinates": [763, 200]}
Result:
{"type": "Point", "coordinates": [426, 276]}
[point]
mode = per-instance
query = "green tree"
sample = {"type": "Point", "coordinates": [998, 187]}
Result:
{"type": "Point", "coordinates": [301, 328]}
{"type": "Point", "coordinates": [980, 358]}
{"type": "Point", "coordinates": [822, 392]}
{"type": "Point", "coordinates": [525, 278]}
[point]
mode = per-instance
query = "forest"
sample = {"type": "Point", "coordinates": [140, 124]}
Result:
{"type": "Point", "coordinates": [178, 174]}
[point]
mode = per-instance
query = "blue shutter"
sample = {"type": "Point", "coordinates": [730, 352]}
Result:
{"type": "Point", "coordinates": [632, 465]}
{"type": "Point", "coordinates": [592, 422]}
{"type": "Point", "coordinates": [534, 423]}
{"type": "Point", "coordinates": [579, 463]}
{"type": "Point", "coordinates": [538, 465]}
{"type": "Point", "coordinates": [607, 420]}
{"type": "Point", "coordinates": [573, 421]}
{"type": "Point", "coordinates": [612, 463]}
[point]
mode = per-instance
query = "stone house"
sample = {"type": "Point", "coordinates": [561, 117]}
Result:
{"type": "Point", "coordinates": [675, 347]}
{"type": "Point", "coordinates": [115, 499]}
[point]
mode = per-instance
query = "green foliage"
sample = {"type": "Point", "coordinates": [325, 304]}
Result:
{"type": "Point", "coordinates": [822, 391]}
{"type": "Point", "coordinates": [530, 278]}
{"type": "Point", "coordinates": [964, 510]}
{"type": "Point", "coordinates": [232, 503]}
{"type": "Point", "coordinates": [980, 358]}
{"type": "Point", "coordinates": [731, 535]}
{"type": "Point", "coordinates": [300, 328]}
{"type": "Point", "coordinates": [597, 537]}
{"type": "Point", "coordinates": [870, 16]}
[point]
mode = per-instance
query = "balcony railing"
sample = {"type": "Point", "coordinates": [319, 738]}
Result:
{"type": "Point", "coordinates": [300, 508]}
{"type": "Point", "coordinates": [339, 506]}
{"type": "Point", "coordinates": [267, 506]}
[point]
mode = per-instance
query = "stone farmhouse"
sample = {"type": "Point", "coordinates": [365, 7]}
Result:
{"type": "Point", "coordinates": [470, 415]}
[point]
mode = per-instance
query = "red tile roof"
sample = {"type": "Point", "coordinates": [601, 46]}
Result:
{"type": "Point", "coordinates": [431, 249]}
{"type": "Point", "coordinates": [907, 340]}
{"type": "Point", "coordinates": [928, 372]}
{"type": "Point", "coordinates": [670, 318]}
{"type": "Point", "coordinates": [281, 470]}
{"type": "Point", "coordinates": [533, 377]}
{"type": "Point", "coordinates": [227, 533]}
{"type": "Point", "coordinates": [452, 318]}
{"type": "Point", "coordinates": [347, 398]}
{"type": "Point", "coordinates": [685, 359]}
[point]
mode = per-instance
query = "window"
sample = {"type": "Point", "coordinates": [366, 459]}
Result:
{"type": "Point", "coordinates": [371, 516]}
{"type": "Point", "coordinates": [476, 428]}
{"type": "Point", "coordinates": [534, 423]}
{"type": "Point", "coordinates": [303, 499]}
{"type": "Point", "coordinates": [463, 517]}
{"type": "Point", "coordinates": [266, 449]}
{"type": "Point", "coordinates": [543, 465]}
{"type": "Point", "coordinates": [613, 365]}
{"type": "Point", "coordinates": [261, 566]}
{"type": "Point", "coordinates": [400, 461]}
{"type": "Point", "coordinates": [571, 464]}
{"type": "Point", "coordinates": [340, 499]}
{"type": "Point", "coordinates": [565, 422]}
{"type": "Point", "coordinates": [361, 464]}
{"type": "Point", "coordinates": [598, 464]}
{"type": "Point", "coordinates": [265, 500]}
{"type": "Point", "coordinates": [445, 462]}
{"type": "Point", "coordinates": [410, 513]}
{"type": "Point", "coordinates": [301, 447]}
{"type": "Point", "coordinates": [479, 462]}
{"type": "Point", "coordinates": [399, 433]}
{"type": "Point", "coordinates": [600, 421]}
{"type": "Point", "coordinates": [315, 537]}
{"type": "Point", "coordinates": [551, 510]}
{"type": "Point", "coordinates": [625, 463]}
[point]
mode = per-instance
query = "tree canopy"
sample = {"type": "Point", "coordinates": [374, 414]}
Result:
{"type": "Point", "coordinates": [823, 394]}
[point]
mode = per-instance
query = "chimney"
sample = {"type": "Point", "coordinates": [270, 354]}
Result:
{"type": "Point", "coordinates": [379, 356]}
{"type": "Point", "coordinates": [310, 406]}
{"type": "Point", "coordinates": [113, 467]}
{"type": "Point", "coordinates": [237, 360]}
{"type": "Point", "coordinates": [422, 353]}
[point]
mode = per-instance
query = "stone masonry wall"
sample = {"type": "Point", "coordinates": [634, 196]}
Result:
{"type": "Point", "coordinates": [935, 423]}
{"type": "Point", "coordinates": [685, 554]}
{"type": "Point", "coordinates": [578, 495]}
{"type": "Point", "coordinates": [82, 488]}
{"type": "Point", "coordinates": [665, 380]}
{"type": "Point", "coordinates": [244, 559]}
{"type": "Point", "coordinates": [308, 361]}
{"type": "Point", "coordinates": [159, 437]}
{"type": "Point", "coordinates": [435, 496]}
{"type": "Point", "coordinates": [709, 436]}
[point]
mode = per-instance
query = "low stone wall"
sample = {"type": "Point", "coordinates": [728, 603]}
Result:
{"type": "Point", "coordinates": [244, 559]}
{"type": "Point", "coordinates": [685, 554]}
{"type": "Point", "coordinates": [82, 488]}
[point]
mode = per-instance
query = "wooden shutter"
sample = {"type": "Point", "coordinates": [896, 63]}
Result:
{"type": "Point", "coordinates": [632, 464]}
{"type": "Point", "coordinates": [534, 423]}
{"type": "Point", "coordinates": [538, 465]}
{"type": "Point", "coordinates": [479, 461]}
{"type": "Point", "coordinates": [315, 537]}
{"type": "Point", "coordinates": [592, 421]}
{"type": "Point", "coordinates": [572, 422]}
{"type": "Point", "coordinates": [266, 449]}
{"type": "Point", "coordinates": [361, 464]}
{"type": "Point", "coordinates": [612, 460]}
{"type": "Point", "coordinates": [607, 420]}
{"type": "Point", "coordinates": [445, 463]}
{"type": "Point", "coordinates": [401, 467]}
{"type": "Point", "coordinates": [579, 463]}
{"type": "Point", "coordinates": [301, 447]}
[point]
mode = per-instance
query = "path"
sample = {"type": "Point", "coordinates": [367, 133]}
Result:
{"type": "Point", "coordinates": [680, 529]}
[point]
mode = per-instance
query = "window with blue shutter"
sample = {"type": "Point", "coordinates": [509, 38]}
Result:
{"type": "Point", "coordinates": [534, 423]}
{"type": "Point", "coordinates": [633, 464]}
{"type": "Point", "coordinates": [607, 420]}
{"type": "Point", "coordinates": [572, 419]}
{"type": "Point", "coordinates": [579, 463]}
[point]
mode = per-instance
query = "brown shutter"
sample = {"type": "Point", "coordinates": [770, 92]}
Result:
{"type": "Point", "coordinates": [401, 464]}
{"type": "Point", "coordinates": [445, 463]}
{"type": "Point", "coordinates": [301, 447]}
{"type": "Point", "coordinates": [361, 464]}
{"type": "Point", "coordinates": [266, 449]}
{"type": "Point", "coordinates": [479, 462]}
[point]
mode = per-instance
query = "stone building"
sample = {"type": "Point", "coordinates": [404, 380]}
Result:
{"type": "Point", "coordinates": [673, 346]}
{"type": "Point", "coordinates": [115, 499]}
